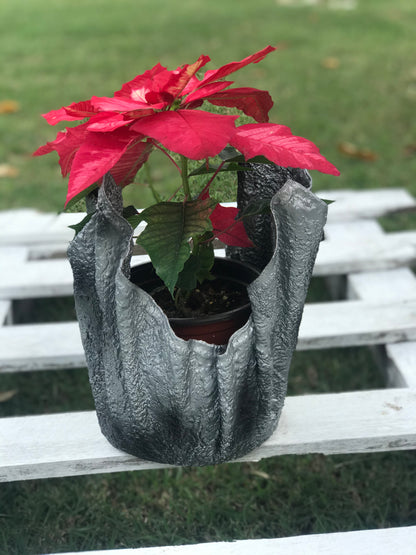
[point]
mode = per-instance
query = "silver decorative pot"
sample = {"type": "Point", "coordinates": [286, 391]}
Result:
{"type": "Point", "coordinates": [165, 399]}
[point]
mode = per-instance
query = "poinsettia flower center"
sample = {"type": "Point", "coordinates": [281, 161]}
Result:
{"type": "Point", "coordinates": [159, 97]}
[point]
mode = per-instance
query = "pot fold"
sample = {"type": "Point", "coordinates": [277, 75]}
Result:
{"type": "Point", "coordinates": [168, 400]}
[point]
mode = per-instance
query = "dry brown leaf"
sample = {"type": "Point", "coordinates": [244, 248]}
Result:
{"type": "Point", "coordinates": [353, 151]}
{"type": "Point", "coordinates": [313, 377]}
{"type": "Point", "coordinates": [6, 170]}
{"type": "Point", "coordinates": [410, 150]}
{"type": "Point", "coordinates": [330, 63]}
{"type": "Point", "coordinates": [9, 106]}
{"type": "Point", "coordinates": [261, 474]}
{"type": "Point", "coordinates": [7, 395]}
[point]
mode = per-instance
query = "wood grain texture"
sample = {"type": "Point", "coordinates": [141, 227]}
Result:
{"type": "Point", "coordinates": [324, 325]}
{"type": "Point", "coordinates": [398, 360]}
{"type": "Point", "coordinates": [365, 204]}
{"type": "Point", "coordinates": [401, 363]}
{"type": "Point", "coordinates": [69, 444]}
{"type": "Point", "coordinates": [29, 227]}
{"type": "Point", "coordinates": [360, 254]}
{"type": "Point", "coordinates": [344, 254]}
{"type": "Point", "coordinates": [5, 312]}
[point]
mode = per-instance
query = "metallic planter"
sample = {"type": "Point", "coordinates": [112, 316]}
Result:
{"type": "Point", "coordinates": [164, 399]}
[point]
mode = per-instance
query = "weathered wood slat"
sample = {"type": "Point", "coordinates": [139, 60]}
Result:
{"type": "Point", "coordinates": [324, 325]}
{"type": "Point", "coordinates": [402, 362]}
{"type": "Point", "coordinates": [398, 361]}
{"type": "Point", "coordinates": [69, 444]}
{"type": "Point", "coordinates": [356, 205]}
{"type": "Point", "coordinates": [40, 347]}
{"type": "Point", "coordinates": [28, 227]}
{"type": "Point", "coordinates": [21, 221]}
{"type": "Point", "coordinates": [47, 278]}
{"type": "Point", "coordinates": [41, 278]}
{"type": "Point", "coordinates": [389, 285]}
{"type": "Point", "coordinates": [5, 312]}
{"type": "Point", "coordinates": [365, 253]}
{"type": "Point", "coordinates": [352, 230]}
{"type": "Point", "coordinates": [348, 323]}
{"type": "Point", "coordinates": [9, 257]}
{"type": "Point", "coordinates": [385, 541]}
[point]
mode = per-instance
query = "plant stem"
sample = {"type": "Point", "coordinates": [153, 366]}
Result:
{"type": "Point", "coordinates": [150, 182]}
{"type": "Point", "coordinates": [208, 185]}
{"type": "Point", "coordinates": [195, 246]}
{"type": "Point", "coordinates": [184, 173]}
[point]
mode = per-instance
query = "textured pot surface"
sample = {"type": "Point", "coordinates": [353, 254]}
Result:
{"type": "Point", "coordinates": [216, 328]}
{"type": "Point", "coordinates": [187, 402]}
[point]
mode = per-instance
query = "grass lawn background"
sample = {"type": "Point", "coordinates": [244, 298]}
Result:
{"type": "Point", "coordinates": [56, 52]}
{"type": "Point", "coordinates": [341, 76]}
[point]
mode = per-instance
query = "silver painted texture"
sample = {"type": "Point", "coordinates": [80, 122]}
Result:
{"type": "Point", "coordinates": [260, 182]}
{"type": "Point", "coordinates": [164, 399]}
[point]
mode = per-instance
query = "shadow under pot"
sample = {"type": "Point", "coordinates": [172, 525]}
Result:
{"type": "Point", "coordinates": [214, 310]}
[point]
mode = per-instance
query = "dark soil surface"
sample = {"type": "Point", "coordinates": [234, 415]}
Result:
{"type": "Point", "coordinates": [211, 297]}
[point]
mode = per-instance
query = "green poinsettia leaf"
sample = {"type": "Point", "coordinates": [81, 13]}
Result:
{"type": "Point", "coordinates": [198, 266]}
{"type": "Point", "coordinates": [187, 278]}
{"type": "Point", "coordinates": [71, 203]}
{"type": "Point", "coordinates": [80, 225]}
{"type": "Point", "coordinates": [205, 169]}
{"type": "Point", "coordinates": [255, 208]}
{"type": "Point", "coordinates": [229, 153]}
{"type": "Point", "coordinates": [132, 216]}
{"type": "Point", "coordinates": [260, 160]}
{"type": "Point", "coordinates": [170, 226]}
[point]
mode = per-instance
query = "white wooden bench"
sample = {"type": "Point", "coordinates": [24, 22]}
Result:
{"type": "Point", "coordinates": [379, 310]}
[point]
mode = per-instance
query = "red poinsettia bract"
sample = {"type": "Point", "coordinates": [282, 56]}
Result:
{"type": "Point", "coordinates": [161, 108]}
{"type": "Point", "coordinates": [157, 106]}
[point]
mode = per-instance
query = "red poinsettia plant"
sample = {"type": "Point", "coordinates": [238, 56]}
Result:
{"type": "Point", "coordinates": [160, 109]}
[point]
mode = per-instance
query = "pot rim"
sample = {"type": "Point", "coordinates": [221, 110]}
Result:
{"type": "Point", "coordinates": [212, 318]}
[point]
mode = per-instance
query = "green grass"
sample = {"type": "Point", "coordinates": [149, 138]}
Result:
{"type": "Point", "coordinates": [269, 499]}
{"type": "Point", "coordinates": [58, 51]}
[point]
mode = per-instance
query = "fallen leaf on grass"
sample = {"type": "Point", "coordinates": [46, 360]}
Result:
{"type": "Point", "coordinates": [313, 376]}
{"type": "Point", "coordinates": [410, 150]}
{"type": "Point", "coordinates": [7, 395]}
{"type": "Point", "coordinates": [353, 151]}
{"type": "Point", "coordinates": [330, 63]}
{"type": "Point", "coordinates": [9, 106]}
{"type": "Point", "coordinates": [8, 171]}
{"type": "Point", "coordinates": [261, 474]}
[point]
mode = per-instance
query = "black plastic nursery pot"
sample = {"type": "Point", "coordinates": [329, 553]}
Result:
{"type": "Point", "coordinates": [215, 329]}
